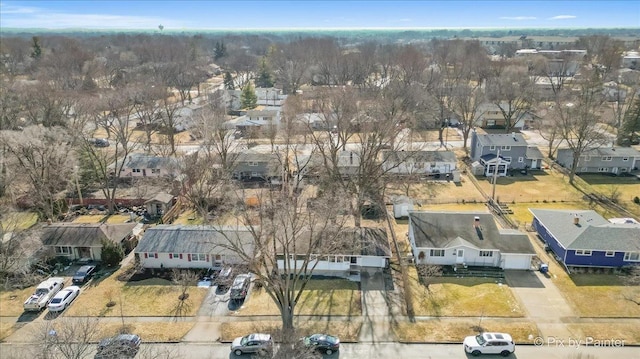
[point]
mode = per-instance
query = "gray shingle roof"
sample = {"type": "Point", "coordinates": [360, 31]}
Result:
{"type": "Point", "coordinates": [194, 239]}
{"type": "Point", "coordinates": [85, 234]}
{"type": "Point", "coordinates": [162, 197]}
{"type": "Point", "coordinates": [447, 229]}
{"type": "Point", "coordinates": [419, 156]}
{"type": "Point", "coordinates": [613, 151]}
{"type": "Point", "coordinates": [593, 232]}
{"type": "Point", "coordinates": [365, 241]}
{"type": "Point", "coordinates": [501, 139]}
{"type": "Point", "coordinates": [139, 160]}
{"type": "Point", "coordinates": [533, 153]}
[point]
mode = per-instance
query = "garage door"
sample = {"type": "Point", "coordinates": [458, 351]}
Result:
{"type": "Point", "coordinates": [516, 261]}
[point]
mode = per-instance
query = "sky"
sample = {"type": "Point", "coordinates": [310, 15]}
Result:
{"type": "Point", "coordinates": [317, 14]}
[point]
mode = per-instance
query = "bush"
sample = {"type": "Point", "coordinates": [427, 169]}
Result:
{"type": "Point", "coordinates": [636, 200]}
{"type": "Point", "coordinates": [112, 253]}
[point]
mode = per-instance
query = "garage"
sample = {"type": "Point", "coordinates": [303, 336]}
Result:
{"type": "Point", "coordinates": [516, 261]}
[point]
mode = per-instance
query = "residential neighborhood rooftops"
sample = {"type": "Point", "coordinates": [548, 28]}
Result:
{"type": "Point", "coordinates": [366, 241]}
{"type": "Point", "coordinates": [474, 229]}
{"type": "Point", "coordinates": [192, 239]}
{"type": "Point", "coordinates": [85, 234]}
{"type": "Point", "coordinates": [609, 151]}
{"type": "Point", "coordinates": [419, 156]}
{"type": "Point", "coordinates": [501, 139]}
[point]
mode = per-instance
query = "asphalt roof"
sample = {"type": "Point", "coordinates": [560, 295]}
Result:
{"type": "Point", "coordinates": [194, 239]}
{"type": "Point", "coordinates": [419, 156]}
{"type": "Point", "coordinates": [85, 234]}
{"type": "Point", "coordinates": [139, 160]}
{"type": "Point", "coordinates": [451, 229]}
{"type": "Point", "coordinates": [592, 232]}
{"type": "Point", "coordinates": [366, 241]}
{"type": "Point", "coordinates": [533, 152]}
{"type": "Point", "coordinates": [501, 139]}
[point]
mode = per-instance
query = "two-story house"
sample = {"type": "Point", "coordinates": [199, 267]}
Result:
{"type": "Point", "coordinates": [614, 160]}
{"type": "Point", "coordinates": [425, 163]}
{"type": "Point", "coordinates": [504, 152]}
{"type": "Point", "coordinates": [255, 166]}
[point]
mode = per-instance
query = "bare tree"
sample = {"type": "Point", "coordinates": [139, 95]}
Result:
{"type": "Point", "coordinates": [66, 337]}
{"type": "Point", "coordinates": [511, 90]}
{"type": "Point", "coordinates": [184, 279]}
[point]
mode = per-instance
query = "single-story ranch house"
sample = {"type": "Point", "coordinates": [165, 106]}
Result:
{"type": "Point", "coordinates": [467, 239]}
{"type": "Point", "coordinates": [84, 240]}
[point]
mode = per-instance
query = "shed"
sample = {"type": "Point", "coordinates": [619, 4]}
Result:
{"type": "Point", "coordinates": [159, 204]}
{"type": "Point", "coordinates": [401, 206]}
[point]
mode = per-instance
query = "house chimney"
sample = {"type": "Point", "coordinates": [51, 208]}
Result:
{"type": "Point", "coordinates": [576, 219]}
{"type": "Point", "coordinates": [513, 135]}
{"type": "Point", "coordinates": [476, 221]}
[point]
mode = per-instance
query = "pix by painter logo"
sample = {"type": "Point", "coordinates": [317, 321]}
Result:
{"type": "Point", "coordinates": [577, 342]}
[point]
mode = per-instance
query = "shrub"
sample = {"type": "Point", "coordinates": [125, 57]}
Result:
{"type": "Point", "coordinates": [112, 253]}
{"type": "Point", "coordinates": [636, 200]}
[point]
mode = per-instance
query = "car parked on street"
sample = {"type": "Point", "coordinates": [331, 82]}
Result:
{"type": "Point", "coordinates": [322, 342]}
{"type": "Point", "coordinates": [489, 343]}
{"type": "Point", "coordinates": [84, 274]}
{"type": "Point", "coordinates": [120, 346]}
{"type": "Point", "coordinates": [240, 287]}
{"type": "Point", "coordinates": [63, 299]}
{"type": "Point", "coordinates": [253, 343]}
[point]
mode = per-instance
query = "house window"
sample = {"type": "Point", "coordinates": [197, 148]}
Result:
{"type": "Point", "coordinates": [176, 255]}
{"type": "Point", "coordinates": [603, 169]}
{"type": "Point", "coordinates": [492, 148]}
{"type": "Point", "coordinates": [505, 148]}
{"type": "Point", "coordinates": [610, 254]}
{"type": "Point", "coordinates": [606, 158]}
{"type": "Point", "coordinates": [254, 174]}
{"type": "Point", "coordinates": [198, 257]}
{"type": "Point", "coordinates": [625, 158]}
{"type": "Point", "coordinates": [520, 159]}
{"type": "Point", "coordinates": [155, 170]}
{"type": "Point", "coordinates": [63, 250]}
{"type": "Point", "coordinates": [508, 159]}
{"type": "Point", "coordinates": [253, 164]}
{"type": "Point", "coordinates": [436, 253]}
{"type": "Point", "coordinates": [136, 170]}
{"type": "Point", "coordinates": [339, 259]}
{"type": "Point", "coordinates": [632, 256]}
{"type": "Point", "coordinates": [486, 253]}
{"type": "Point", "coordinates": [332, 259]}
{"type": "Point", "coordinates": [582, 252]}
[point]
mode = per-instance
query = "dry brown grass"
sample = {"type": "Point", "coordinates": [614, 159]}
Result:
{"type": "Point", "coordinates": [346, 331]}
{"type": "Point", "coordinates": [547, 185]}
{"type": "Point", "coordinates": [462, 297]}
{"type": "Point", "coordinates": [148, 331]}
{"type": "Point", "coordinates": [454, 331]}
{"type": "Point", "coordinates": [151, 297]}
{"type": "Point", "coordinates": [90, 218]}
{"type": "Point", "coordinates": [6, 329]}
{"type": "Point", "coordinates": [15, 221]}
{"type": "Point", "coordinates": [118, 218]}
{"type": "Point", "coordinates": [438, 192]}
{"type": "Point", "coordinates": [11, 301]}
{"type": "Point", "coordinates": [629, 332]}
{"type": "Point", "coordinates": [323, 297]}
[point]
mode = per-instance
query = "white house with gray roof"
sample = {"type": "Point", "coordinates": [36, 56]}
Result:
{"type": "Point", "coordinates": [583, 238]}
{"type": "Point", "coordinates": [419, 162]}
{"type": "Point", "coordinates": [141, 165]}
{"type": "Point", "coordinates": [183, 246]}
{"type": "Point", "coordinates": [514, 152]}
{"type": "Point", "coordinates": [614, 160]}
{"type": "Point", "coordinates": [467, 238]}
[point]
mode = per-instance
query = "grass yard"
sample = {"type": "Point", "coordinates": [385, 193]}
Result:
{"type": "Point", "coordinates": [454, 331]}
{"type": "Point", "coordinates": [89, 218]}
{"type": "Point", "coordinates": [629, 332]}
{"type": "Point", "coordinates": [150, 297]}
{"type": "Point", "coordinates": [321, 297]}
{"type": "Point", "coordinates": [11, 301]}
{"type": "Point", "coordinates": [437, 191]}
{"type": "Point", "coordinates": [547, 185]}
{"type": "Point", "coordinates": [348, 332]}
{"type": "Point", "coordinates": [624, 189]}
{"type": "Point", "coordinates": [6, 329]}
{"type": "Point", "coordinates": [16, 221]}
{"type": "Point", "coordinates": [463, 297]}
{"type": "Point", "coordinates": [149, 331]}
{"type": "Point", "coordinates": [591, 295]}
{"type": "Point", "coordinates": [118, 218]}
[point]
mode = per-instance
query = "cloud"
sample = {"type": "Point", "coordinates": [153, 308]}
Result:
{"type": "Point", "coordinates": [518, 18]}
{"type": "Point", "coordinates": [562, 17]}
{"type": "Point", "coordinates": [12, 9]}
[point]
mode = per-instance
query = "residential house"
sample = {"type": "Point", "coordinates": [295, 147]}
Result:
{"type": "Point", "coordinates": [358, 250]}
{"type": "Point", "coordinates": [259, 118]}
{"type": "Point", "coordinates": [467, 239]}
{"type": "Point", "coordinates": [141, 165]}
{"type": "Point", "coordinates": [255, 166]}
{"type": "Point", "coordinates": [183, 246]}
{"type": "Point", "coordinates": [423, 163]}
{"type": "Point", "coordinates": [583, 238]}
{"type": "Point", "coordinates": [84, 240]}
{"type": "Point", "coordinates": [489, 115]}
{"type": "Point", "coordinates": [614, 160]}
{"type": "Point", "coordinates": [504, 152]}
{"type": "Point", "coordinates": [159, 204]}
{"type": "Point", "coordinates": [631, 60]}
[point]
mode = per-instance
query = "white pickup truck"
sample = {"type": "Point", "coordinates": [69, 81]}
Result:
{"type": "Point", "coordinates": [44, 293]}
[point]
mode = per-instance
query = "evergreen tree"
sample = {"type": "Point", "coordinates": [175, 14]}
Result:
{"type": "Point", "coordinates": [219, 51]}
{"type": "Point", "coordinates": [248, 98]}
{"type": "Point", "coordinates": [37, 50]}
{"type": "Point", "coordinates": [628, 133]}
{"type": "Point", "coordinates": [265, 79]}
{"type": "Point", "coordinates": [228, 81]}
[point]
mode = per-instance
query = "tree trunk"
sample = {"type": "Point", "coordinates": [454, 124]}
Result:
{"type": "Point", "coordinates": [574, 166]}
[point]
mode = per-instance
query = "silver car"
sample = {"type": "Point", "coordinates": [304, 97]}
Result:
{"type": "Point", "coordinates": [253, 343]}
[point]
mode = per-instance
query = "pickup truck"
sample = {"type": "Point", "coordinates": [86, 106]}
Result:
{"type": "Point", "coordinates": [44, 293]}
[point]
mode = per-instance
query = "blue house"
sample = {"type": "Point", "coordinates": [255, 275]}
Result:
{"type": "Point", "coordinates": [583, 238]}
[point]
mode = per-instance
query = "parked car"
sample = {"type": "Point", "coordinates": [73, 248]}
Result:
{"type": "Point", "coordinates": [223, 281]}
{"type": "Point", "coordinates": [43, 294]}
{"type": "Point", "coordinates": [253, 343]}
{"type": "Point", "coordinates": [489, 343]}
{"type": "Point", "coordinates": [84, 274]}
{"type": "Point", "coordinates": [240, 286]}
{"type": "Point", "coordinates": [322, 342]}
{"type": "Point", "coordinates": [63, 299]}
{"type": "Point", "coordinates": [122, 345]}
{"type": "Point", "coordinates": [99, 142]}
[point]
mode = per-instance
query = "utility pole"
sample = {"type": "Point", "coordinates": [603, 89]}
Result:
{"type": "Point", "coordinates": [495, 176]}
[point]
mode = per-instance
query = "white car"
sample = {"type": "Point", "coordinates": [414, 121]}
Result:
{"type": "Point", "coordinates": [63, 299]}
{"type": "Point", "coordinates": [489, 343]}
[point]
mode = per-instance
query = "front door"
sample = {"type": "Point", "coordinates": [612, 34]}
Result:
{"type": "Point", "coordinates": [534, 163]}
{"type": "Point", "coordinates": [614, 170]}
{"type": "Point", "coordinates": [460, 256]}
{"type": "Point", "coordinates": [144, 172]}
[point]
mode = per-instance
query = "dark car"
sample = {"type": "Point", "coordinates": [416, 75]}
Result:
{"type": "Point", "coordinates": [224, 278]}
{"type": "Point", "coordinates": [122, 345]}
{"type": "Point", "coordinates": [84, 274]}
{"type": "Point", "coordinates": [322, 342]}
{"type": "Point", "coordinates": [99, 142]}
{"type": "Point", "coordinates": [240, 287]}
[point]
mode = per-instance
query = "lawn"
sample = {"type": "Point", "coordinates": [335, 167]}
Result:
{"type": "Point", "coordinates": [624, 189]}
{"type": "Point", "coordinates": [437, 191]}
{"type": "Point", "coordinates": [629, 332]}
{"type": "Point", "coordinates": [547, 185]}
{"type": "Point", "coordinates": [321, 297]}
{"type": "Point", "coordinates": [348, 332]}
{"type": "Point", "coordinates": [454, 331]}
{"type": "Point", "coordinates": [11, 301]}
{"type": "Point", "coordinates": [463, 297]}
{"type": "Point", "coordinates": [18, 221]}
{"type": "Point", "coordinates": [89, 218]}
{"type": "Point", "coordinates": [150, 297]}
{"type": "Point", "coordinates": [149, 331]}
{"type": "Point", "coordinates": [6, 329]}
{"type": "Point", "coordinates": [591, 295]}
